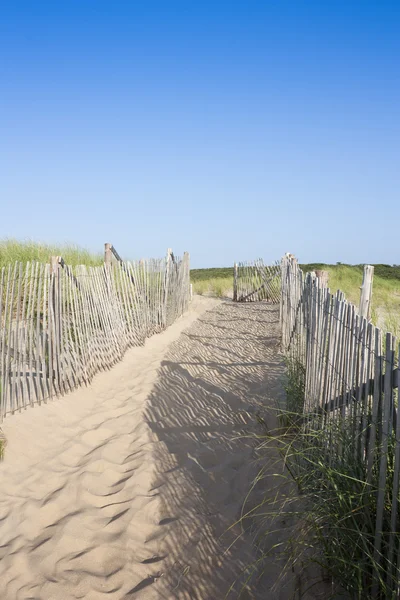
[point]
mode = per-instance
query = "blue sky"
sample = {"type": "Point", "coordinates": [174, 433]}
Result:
{"type": "Point", "coordinates": [232, 130]}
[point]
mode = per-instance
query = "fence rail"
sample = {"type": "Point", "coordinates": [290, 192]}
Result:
{"type": "Point", "coordinates": [60, 325]}
{"type": "Point", "coordinates": [254, 281]}
{"type": "Point", "coordinates": [351, 376]}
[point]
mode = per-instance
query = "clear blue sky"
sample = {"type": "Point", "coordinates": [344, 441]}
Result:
{"type": "Point", "coordinates": [230, 129]}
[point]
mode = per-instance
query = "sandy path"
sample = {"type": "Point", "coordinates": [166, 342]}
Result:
{"type": "Point", "coordinates": [214, 379]}
{"type": "Point", "coordinates": [125, 489]}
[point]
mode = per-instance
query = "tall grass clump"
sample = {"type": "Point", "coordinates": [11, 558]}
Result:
{"type": "Point", "coordinates": [337, 497]}
{"type": "Point", "coordinates": [218, 287]}
{"type": "Point", "coordinates": [200, 287]}
{"type": "Point", "coordinates": [26, 251]}
{"type": "Point", "coordinates": [327, 500]}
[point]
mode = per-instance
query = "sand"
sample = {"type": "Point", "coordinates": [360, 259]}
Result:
{"type": "Point", "coordinates": [126, 489]}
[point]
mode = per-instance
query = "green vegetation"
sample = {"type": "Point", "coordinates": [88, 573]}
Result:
{"type": "Point", "coordinates": [338, 513]}
{"type": "Point", "coordinates": [206, 274]}
{"type": "Point", "coordinates": [385, 310]}
{"type": "Point", "coordinates": [348, 278]}
{"type": "Point", "coordinates": [382, 271]}
{"type": "Point", "coordinates": [219, 287]}
{"type": "Point", "coordinates": [323, 497]}
{"type": "Point", "coordinates": [212, 282]}
{"type": "Point", "coordinates": [13, 250]}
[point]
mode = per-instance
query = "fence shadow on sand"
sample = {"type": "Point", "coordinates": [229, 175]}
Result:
{"type": "Point", "coordinates": [215, 379]}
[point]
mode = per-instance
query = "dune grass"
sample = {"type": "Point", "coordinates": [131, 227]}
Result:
{"type": "Point", "coordinates": [330, 510]}
{"type": "Point", "coordinates": [339, 506]}
{"type": "Point", "coordinates": [24, 251]}
{"type": "Point", "coordinates": [386, 290]}
{"type": "Point", "coordinates": [216, 282]}
{"type": "Point", "coordinates": [221, 287]}
{"type": "Point", "coordinates": [385, 309]}
{"type": "Point", "coordinates": [207, 274]}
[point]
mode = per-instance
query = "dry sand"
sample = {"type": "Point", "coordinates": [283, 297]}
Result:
{"type": "Point", "coordinates": [126, 489]}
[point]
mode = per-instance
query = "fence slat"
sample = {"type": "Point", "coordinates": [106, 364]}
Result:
{"type": "Point", "coordinates": [3, 300]}
{"type": "Point", "coordinates": [383, 450]}
{"type": "Point", "coordinates": [33, 394]}
{"type": "Point", "coordinates": [394, 520]}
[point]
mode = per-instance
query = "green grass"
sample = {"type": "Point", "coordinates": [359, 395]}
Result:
{"type": "Point", "coordinates": [219, 287]}
{"type": "Point", "coordinates": [25, 251]}
{"type": "Point", "coordinates": [381, 270]}
{"type": "Point", "coordinates": [348, 278]}
{"type": "Point", "coordinates": [331, 507]}
{"type": "Point", "coordinates": [385, 310]}
{"type": "Point", "coordinates": [208, 274]}
{"type": "Point", "coordinates": [339, 518]}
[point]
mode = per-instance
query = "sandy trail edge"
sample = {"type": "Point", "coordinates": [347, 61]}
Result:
{"type": "Point", "coordinates": [75, 501]}
{"type": "Point", "coordinates": [126, 489]}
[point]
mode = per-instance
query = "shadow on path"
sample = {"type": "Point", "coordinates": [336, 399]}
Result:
{"type": "Point", "coordinates": [214, 380]}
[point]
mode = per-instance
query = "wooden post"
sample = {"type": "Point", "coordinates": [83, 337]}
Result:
{"type": "Point", "coordinates": [322, 277]}
{"type": "Point", "coordinates": [54, 327]}
{"type": "Point", "coordinates": [166, 286]}
{"type": "Point", "coordinates": [235, 282]}
{"type": "Point", "coordinates": [107, 254]}
{"type": "Point", "coordinates": [366, 292]}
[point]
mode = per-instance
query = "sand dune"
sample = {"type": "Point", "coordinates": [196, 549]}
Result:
{"type": "Point", "coordinates": [126, 489]}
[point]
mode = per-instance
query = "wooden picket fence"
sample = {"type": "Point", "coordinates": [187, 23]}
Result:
{"type": "Point", "coordinates": [351, 375]}
{"type": "Point", "coordinates": [255, 281]}
{"type": "Point", "coordinates": [60, 325]}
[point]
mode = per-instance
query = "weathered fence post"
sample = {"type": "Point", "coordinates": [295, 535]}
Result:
{"type": "Point", "coordinates": [55, 264]}
{"type": "Point", "coordinates": [166, 284]}
{"type": "Point", "coordinates": [235, 282]}
{"type": "Point", "coordinates": [107, 254]}
{"type": "Point", "coordinates": [366, 292]}
{"type": "Point", "coordinates": [323, 277]}
{"type": "Point", "coordinates": [54, 327]}
{"type": "Point", "coordinates": [108, 265]}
